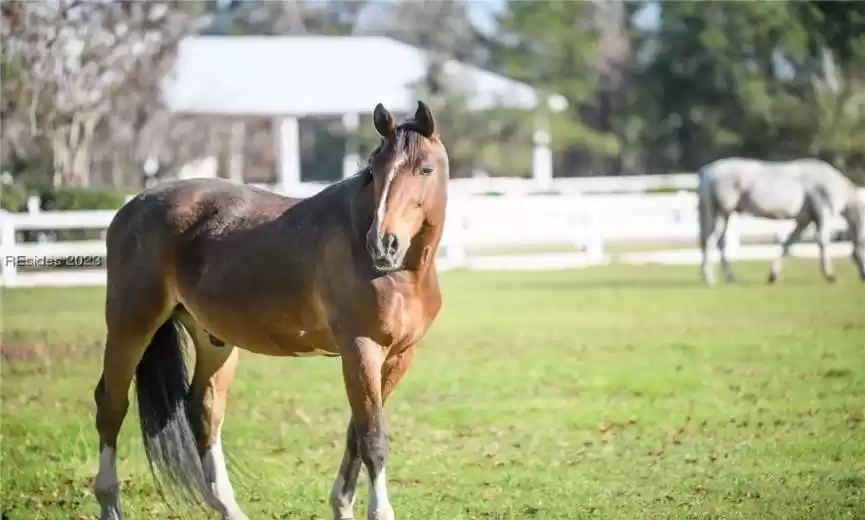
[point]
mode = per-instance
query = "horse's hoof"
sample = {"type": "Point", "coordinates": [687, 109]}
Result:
{"type": "Point", "coordinates": [109, 506]}
{"type": "Point", "coordinates": [773, 277]}
{"type": "Point", "coordinates": [111, 513]}
{"type": "Point", "coordinates": [831, 279]}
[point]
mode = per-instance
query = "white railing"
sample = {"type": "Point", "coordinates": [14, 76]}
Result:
{"type": "Point", "coordinates": [584, 224]}
{"type": "Point", "coordinates": [42, 254]}
{"type": "Point", "coordinates": [515, 186]}
{"type": "Point", "coordinates": [575, 185]}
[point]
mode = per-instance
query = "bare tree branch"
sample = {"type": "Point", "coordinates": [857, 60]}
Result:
{"type": "Point", "coordinates": [77, 63]}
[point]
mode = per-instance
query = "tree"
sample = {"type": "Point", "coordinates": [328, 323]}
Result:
{"type": "Point", "coordinates": [770, 80]}
{"type": "Point", "coordinates": [76, 63]}
{"type": "Point", "coordinates": [478, 139]}
{"type": "Point", "coordinates": [554, 47]}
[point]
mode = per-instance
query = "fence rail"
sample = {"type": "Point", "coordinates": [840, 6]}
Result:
{"type": "Point", "coordinates": [585, 224]}
{"type": "Point", "coordinates": [515, 186]}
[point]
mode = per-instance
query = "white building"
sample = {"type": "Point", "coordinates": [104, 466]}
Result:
{"type": "Point", "coordinates": [291, 77]}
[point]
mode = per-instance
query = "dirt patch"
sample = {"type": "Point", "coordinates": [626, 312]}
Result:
{"type": "Point", "coordinates": [41, 353]}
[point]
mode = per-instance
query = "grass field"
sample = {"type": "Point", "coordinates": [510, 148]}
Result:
{"type": "Point", "coordinates": [612, 393]}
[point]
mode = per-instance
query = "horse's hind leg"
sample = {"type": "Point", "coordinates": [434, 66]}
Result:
{"type": "Point", "coordinates": [824, 232]}
{"type": "Point", "coordinates": [706, 268]}
{"type": "Point", "coordinates": [215, 366]}
{"type": "Point", "coordinates": [775, 271]}
{"type": "Point", "coordinates": [724, 224]}
{"type": "Point", "coordinates": [132, 320]}
{"type": "Point", "coordinates": [715, 235]}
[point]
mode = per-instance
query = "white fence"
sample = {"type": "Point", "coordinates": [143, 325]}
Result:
{"type": "Point", "coordinates": [515, 186]}
{"type": "Point", "coordinates": [584, 225]}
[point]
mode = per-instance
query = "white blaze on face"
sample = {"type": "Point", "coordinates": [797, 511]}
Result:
{"type": "Point", "coordinates": [381, 211]}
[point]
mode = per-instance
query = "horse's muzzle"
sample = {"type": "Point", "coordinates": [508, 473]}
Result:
{"type": "Point", "coordinates": [387, 252]}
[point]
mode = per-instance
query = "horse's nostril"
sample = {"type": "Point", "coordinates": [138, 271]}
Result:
{"type": "Point", "coordinates": [390, 244]}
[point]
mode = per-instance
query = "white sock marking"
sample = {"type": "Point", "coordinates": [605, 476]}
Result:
{"type": "Point", "coordinates": [106, 487]}
{"type": "Point", "coordinates": [106, 479]}
{"type": "Point", "coordinates": [342, 502]}
{"type": "Point", "coordinates": [379, 503]}
{"type": "Point", "coordinates": [216, 474]}
{"type": "Point", "coordinates": [341, 499]}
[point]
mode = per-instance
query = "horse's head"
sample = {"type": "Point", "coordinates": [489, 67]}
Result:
{"type": "Point", "coordinates": [409, 172]}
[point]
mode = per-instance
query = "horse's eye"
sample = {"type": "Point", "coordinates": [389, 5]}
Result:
{"type": "Point", "coordinates": [427, 169]}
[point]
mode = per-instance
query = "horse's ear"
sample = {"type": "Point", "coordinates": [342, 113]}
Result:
{"type": "Point", "coordinates": [383, 121]}
{"type": "Point", "coordinates": [424, 120]}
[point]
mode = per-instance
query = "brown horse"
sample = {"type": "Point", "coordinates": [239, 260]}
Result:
{"type": "Point", "coordinates": [349, 272]}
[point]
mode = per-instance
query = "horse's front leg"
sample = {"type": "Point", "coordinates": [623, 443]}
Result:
{"type": "Point", "coordinates": [342, 496]}
{"type": "Point", "coordinates": [792, 238]}
{"type": "Point", "coordinates": [362, 363]}
{"type": "Point", "coordinates": [343, 492]}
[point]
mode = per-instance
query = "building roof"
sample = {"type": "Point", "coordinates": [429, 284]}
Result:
{"type": "Point", "coordinates": [316, 75]}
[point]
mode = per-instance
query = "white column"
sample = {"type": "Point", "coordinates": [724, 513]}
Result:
{"type": "Point", "coordinates": [351, 158]}
{"type": "Point", "coordinates": [542, 156]}
{"type": "Point", "coordinates": [288, 153]}
{"type": "Point", "coordinates": [236, 156]}
{"type": "Point", "coordinates": [33, 204]}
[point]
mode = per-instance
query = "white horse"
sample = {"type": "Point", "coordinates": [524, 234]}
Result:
{"type": "Point", "coordinates": [807, 190]}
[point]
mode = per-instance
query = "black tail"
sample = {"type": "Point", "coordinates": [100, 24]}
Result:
{"type": "Point", "coordinates": [167, 423]}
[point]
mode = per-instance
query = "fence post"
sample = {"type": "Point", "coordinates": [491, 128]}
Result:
{"type": "Point", "coordinates": [8, 267]}
{"type": "Point", "coordinates": [589, 233]}
{"type": "Point", "coordinates": [686, 215]}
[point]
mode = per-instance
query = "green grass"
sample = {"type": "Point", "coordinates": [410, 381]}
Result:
{"type": "Point", "coordinates": [613, 393]}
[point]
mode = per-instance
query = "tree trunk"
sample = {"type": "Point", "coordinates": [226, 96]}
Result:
{"type": "Point", "coordinates": [83, 150]}
{"type": "Point", "coordinates": [60, 145]}
{"type": "Point", "coordinates": [73, 145]}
